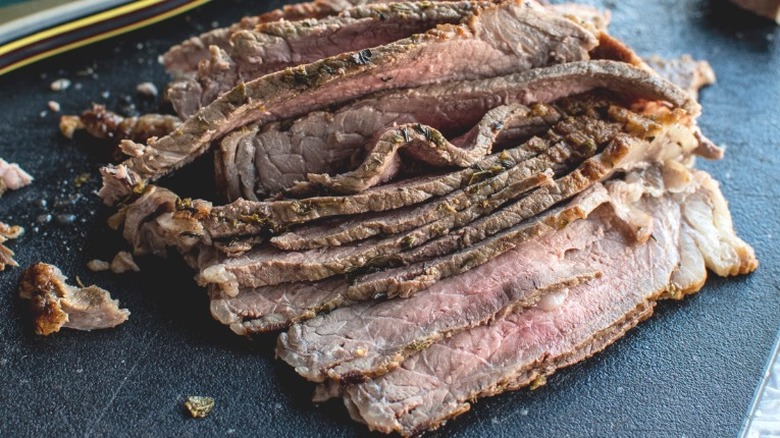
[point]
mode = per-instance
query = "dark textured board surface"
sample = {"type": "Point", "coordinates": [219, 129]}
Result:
{"type": "Point", "coordinates": [689, 371]}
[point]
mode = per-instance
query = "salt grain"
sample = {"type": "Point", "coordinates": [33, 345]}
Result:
{"type": "Point", "coordinates": [54, 106]}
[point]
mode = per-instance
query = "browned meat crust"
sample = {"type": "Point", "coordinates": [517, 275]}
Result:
{"type": "Point", "coordinates": [56, 304]}
{"type": "Point", "coordinates": [107, 125]}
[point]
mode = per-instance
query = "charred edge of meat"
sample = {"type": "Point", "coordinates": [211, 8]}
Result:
{"type": "Point", "coordinates": [269, 97]}
{"type": "Point", "coordinates": [107, 125]}
{"type": "Point", "coordinates": [56, 304]}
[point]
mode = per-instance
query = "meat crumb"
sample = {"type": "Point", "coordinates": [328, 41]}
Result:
{"type": "Point", "coordinates": [123, 262]}
{"type": "Point", "coordinates": [98, 265]}
{"type": "Point", "coordinates": [199, 406]}
{"type": "Point", "coordinates": [60, 84]}
{"type": "Point", "coordinates": [8, 232]}
{"type": "Point", "coordinates": [69, 125]}
{"type": "Point", "coordinates": [12, 177]}
{"type": "Point", "coordinates": [54, 106]}
{"type": "Point", "coordinates": [147, 89]}
{"type": "Point", "coordinates": [56, 304]}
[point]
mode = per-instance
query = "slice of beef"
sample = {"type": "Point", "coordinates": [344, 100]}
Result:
{"type": "Point", "coordinates": [244, 317]}
{"type": "Point", "coordinates": [56, 304]}
{"type": "Point", "coordinates": [274, 46]}
{"type": "Point", "coordinates": [269, 266]}
{"type": "Point", "coordinates": [258, 162]}
{"type": "Point", "coordinates": [340, 231]}
{"type": "Point", "coordinates": [253, 164]}
{"type": "Point", "coordinates": [572, 140]}
{"type": "Point", "coordinates": [270, 308]}
{"type": "Point", "coordinates": [472, 247]}
{"type": "Point", "coordinates": [8, 232]}
{"type": "Point", "coordinates": [674, 141]}
{"type": "Point", "coordinates": [183, 59]}
{"type": "Point", "coordinates": [507, 38]}
{"type": "Point", "coordinates": [527, 345]}
{"type": "Point", "coordinates": [685, 72]}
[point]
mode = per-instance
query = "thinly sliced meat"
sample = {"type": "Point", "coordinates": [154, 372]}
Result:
{"type": "Point", "coordinates": [504, 38]}
{"type": "Point", "coordinates": [478, 247]}
{"type": "Point", "coordinates": [623, 153]}
{"type": "Point", "coordinates": [425, 145]}
{"type": "Point", "coordinates": [592, 74]}
{"type": "Point", "coordinates": [525, 346]}
{"type": "Point", "coordinates": [572, 140]}
{"type": "Point", "coordinates": [183, 59]}
{"type": "Point", "coordinates": [274, 46]}
{"type": "Point", "coordinates": [471, 247]}
{"type": "Point", "coordinates": [255, 310]}
{"type": "Point", "coordinates": [255, 163]}
{"type": "Point", "coordinates": [269, 266]}
{"type": "Point", "coordinates": [56, 304]}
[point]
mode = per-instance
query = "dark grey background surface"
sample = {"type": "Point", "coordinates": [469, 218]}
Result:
{"type": "Point", "coordinates": [689, 371]}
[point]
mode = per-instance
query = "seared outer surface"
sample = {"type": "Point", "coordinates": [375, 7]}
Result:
{"type": "Point", "coordinates": [703, 356]}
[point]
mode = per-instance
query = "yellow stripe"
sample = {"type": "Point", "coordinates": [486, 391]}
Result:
{"type": "Point", "coordinates": [105, 35]}
{"type": "Point", "coordinates": [77, 24]}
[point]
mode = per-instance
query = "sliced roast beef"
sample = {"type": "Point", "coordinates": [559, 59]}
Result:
{"type": "Point", "coordinates": [425, 145]}
{"type": "Point", "coordinates": [255, 310]}
{"type": "Point", "coordinates": [503, 38]}
{"type": "Point", "coordinates": [475, 248]}
{"type": "Point", "coordinates": [529, 344]}
{"type": "Point", "coordinates": [673, 144]}
{"type": "Point", "coordinates": [183, 59]}
{"type": "Point", "coordinates": [278, 45]}
{"type": "Point", "coordinates": [258, 162]}
{"type": "Point", "coordinates": [321, 348]}
{"type": "Point", "coordinates": [623, 152]}
{"type": "Point", "coordinates": [572, 140]}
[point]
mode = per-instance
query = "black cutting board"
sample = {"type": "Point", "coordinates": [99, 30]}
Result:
{"type": "Point", "coordinates": [690, 370]}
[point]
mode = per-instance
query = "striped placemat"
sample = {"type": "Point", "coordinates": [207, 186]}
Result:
{"type": "Point", "coordinates": [32, 30]}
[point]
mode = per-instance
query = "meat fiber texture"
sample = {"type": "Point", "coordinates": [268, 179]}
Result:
{"type": "Point", "coordinates": [507, 37]}
{"type": "Point", "coordinates": [690, 232]}
{"type": "Point", "coordinates": [430, 227]}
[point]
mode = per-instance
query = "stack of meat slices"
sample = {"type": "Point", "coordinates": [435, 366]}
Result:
{"type": "Point", "coordinates": [469, 197]}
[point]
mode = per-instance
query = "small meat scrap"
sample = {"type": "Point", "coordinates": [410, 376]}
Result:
{"type": "Point", "coordinates": [69, 125]}
{"type": "Point", "coordinates": [765, 8]}
{"type": "Point", "coordinates": [60, 84]}
{"type": "Point", "coordinates": [685, 72]}
{"type": "Point", "coordinates": [56, 304]}
{"type": "Point", "coordinates": [8, 232]}
{"type": "Point", "coordinates": [107, 125]}
{"type": "Point", "coordinates": [199, 406]}
{"type": "Point", "coordinates": [12, 177]}
{"type": "Point", "coordinates": [123, 262]}
{"type": "Point", "coordinates": [98, 265]}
